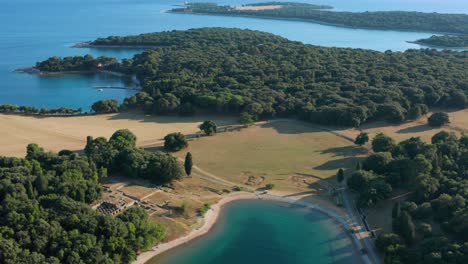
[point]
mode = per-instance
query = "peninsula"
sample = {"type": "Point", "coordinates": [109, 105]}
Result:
{"type": "Point", "coordinates": [233, 71]}
{"type": "Point", "coordinates": [445, 41]}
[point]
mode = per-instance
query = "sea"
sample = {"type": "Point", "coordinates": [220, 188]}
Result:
{"type": "Point", "coordinates": [32, 31]}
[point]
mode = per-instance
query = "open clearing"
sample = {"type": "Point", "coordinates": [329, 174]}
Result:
{"type": "Point", "coordinates": [57, 133]}
{"type": "Point", "coordinates": [291, 154]}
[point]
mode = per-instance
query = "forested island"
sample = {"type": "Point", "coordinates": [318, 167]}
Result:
{"type": "Point", "coordinates": [450, 41]}
{"type": "Point", "coordinates": [387, 20]}
{"type": "Point", "coordinates": [243, 71]}
{"type": "Point", "coordinates": [431, 226]}
{"type": "Point", "coordinates": [45, 215]}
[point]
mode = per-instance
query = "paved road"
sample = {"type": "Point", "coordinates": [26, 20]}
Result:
{"type": "Point", "coordinates": [366, 242]}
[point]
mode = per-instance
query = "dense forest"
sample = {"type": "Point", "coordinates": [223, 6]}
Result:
{"type": "Point", "coordinates": [44, 203]}
{"type": "Point", "coordinates": [453, 41]}
{"type": "Point", "coordinates": [431, 226]}
{"type": "Point", "coordinates": [235, 71]}
{"type": "Point", "coordinates": [391, 20]}
{"type": "Point", "coordinates": [75, 63]}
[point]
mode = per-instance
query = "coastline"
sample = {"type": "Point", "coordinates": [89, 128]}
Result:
{"type": "Point", "coordinates": [213, 214]}
{"type": "Point", "coordinates": [34, 71]}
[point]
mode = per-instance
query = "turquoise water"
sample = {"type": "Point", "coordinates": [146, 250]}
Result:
{"type": "Point", "coordinates": [32, 30]}
{"type": "Point", "coordinates": [267, 232]}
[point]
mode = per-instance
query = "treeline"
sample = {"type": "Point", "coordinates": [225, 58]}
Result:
{"type": "Point", "coordinates": [31, 110]}
{"type": "Point", "coordinates": [45, 216]}
{"type": "Point", "coordinates": [431, 226]}
{"type": "Point", "coordinates": [388, 20]}
{"type": "Point", "coordinates": [76, 63]}
{"type": "Point", "coordinates": [453, 41]}
{"type": "Point", "coordinates": [237, 71]}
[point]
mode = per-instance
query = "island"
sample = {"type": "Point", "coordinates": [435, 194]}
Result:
{"type": "Point", "coordinates": [386, 20]}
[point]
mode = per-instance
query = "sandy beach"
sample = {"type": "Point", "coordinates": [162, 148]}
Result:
{"type": "Point", "coordinates": [210, 219]}
{"type": "Point", "coordinates": [212, 216]}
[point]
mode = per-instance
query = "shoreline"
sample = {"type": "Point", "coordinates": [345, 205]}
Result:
{"type": "Point", "coordinates": [36, 72]}
{"type": "Point", "coordinates": [211, 218]}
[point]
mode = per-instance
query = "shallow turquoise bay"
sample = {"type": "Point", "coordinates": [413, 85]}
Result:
{"type": "Point", "coordinates": [255, 231]}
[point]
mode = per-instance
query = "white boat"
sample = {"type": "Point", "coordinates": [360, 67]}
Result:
{"type": "Point", "coordinates": [100, 90]}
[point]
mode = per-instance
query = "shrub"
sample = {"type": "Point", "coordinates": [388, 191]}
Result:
{"type": "Point", "coordinates": [175, 142]}
{"type": "Point", "coordinates": [438, 119]}
{"type": "Point", "coordinates": [209, 127]}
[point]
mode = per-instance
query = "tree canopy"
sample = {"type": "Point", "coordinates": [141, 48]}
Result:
{"type": "Point", "coordinates": [45, 216]}
{"type": "Point", "coordinates": [436, 176]}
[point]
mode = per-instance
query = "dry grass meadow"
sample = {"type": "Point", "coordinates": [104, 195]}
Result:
{"type": "Point", "coordinates": [291, 154]}
{"type": "Point", "coordinates": [57, 133]}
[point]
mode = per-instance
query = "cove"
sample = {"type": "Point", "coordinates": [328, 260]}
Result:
{"type": "Point", "coordinates": [256, 231]}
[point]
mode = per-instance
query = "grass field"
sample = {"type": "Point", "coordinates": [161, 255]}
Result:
{"type": "Point", "coordinates": [291, 154]}
{"type": "Point", "coordinates": [57, 133]}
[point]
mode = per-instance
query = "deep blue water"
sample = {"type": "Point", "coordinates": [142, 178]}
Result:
{"type": "Point", "coordinates": [32, 30]}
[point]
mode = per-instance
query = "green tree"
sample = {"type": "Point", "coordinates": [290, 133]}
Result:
{"type": "Point", "coordinates": [377, 162]}
{"type": "Point", "coordinates": [361, 139]}
{"type": "Point", "coordinates": [89, 146]}
{"type": "Point", "coordinates": [396, 211]}
{"type": "Point", "coordinates": [382, 143]}
{"type": "Point", "coordinates": [340, 175]}
{"type": "Point", "coordinates": [105, 106]}
{"type": "Point", "coordinates": [438, 119]}
{"type": "Point", "coordinates": [407, 227]}
{"type": "Point", "coordinates": [246, 119]}
{"type": "Point", "coordinates": [188, 163]}
{"type": "Point", "coordinates": [175, 142]}
{"type": "Point", "coordinates": [209, 127]}
{"type": "Point", "coordinates": [123, 138]}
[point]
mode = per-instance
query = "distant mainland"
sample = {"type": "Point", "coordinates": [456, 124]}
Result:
{"type": "Point", "coordinates": [453, 26]}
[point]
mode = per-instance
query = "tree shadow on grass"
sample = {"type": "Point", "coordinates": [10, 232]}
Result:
{"type": "Point", "coordinates": [291, 126]}
{"type": "Point", "coordinates": [168, 119]}
{"type": "Point", "coordinates": [155, 148]}
{"type": "Point", "coordinates": [415, 129]}
{"type": "Point", "coordinates": [346, 151]}
{"type": "Point", "coordinates": [348, 162]}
